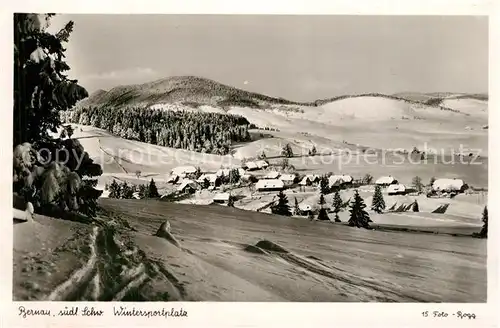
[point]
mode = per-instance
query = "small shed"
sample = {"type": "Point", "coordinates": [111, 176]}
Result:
{"type": "Point", "coordinates": [221, 198]}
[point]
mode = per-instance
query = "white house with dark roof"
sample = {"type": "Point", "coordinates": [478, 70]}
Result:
{"type": "Point", "coordinates": [269, 185]}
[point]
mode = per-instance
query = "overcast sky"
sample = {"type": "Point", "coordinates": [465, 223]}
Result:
{"type": "Point", "coordinates": [300, 58]}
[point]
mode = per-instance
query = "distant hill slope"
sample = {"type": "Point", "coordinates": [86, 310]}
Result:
{"type": "Point", "coordinates": [197, 91]}
{"type": "Point", "coordinates": [189, 90]}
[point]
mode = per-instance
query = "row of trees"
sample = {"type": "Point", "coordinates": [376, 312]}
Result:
{"type": "Point", "coordinates": [358, 215]}
{"type": "Point", "coordinates": [55, 174]}
{"type": "Point", "coordinates": [197, 131]}
{"type": "Point", "coordinates": [125, 191]}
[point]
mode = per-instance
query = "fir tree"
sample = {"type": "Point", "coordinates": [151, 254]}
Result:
{"type": "Point", "coordinates": [138, 174]}
{"type": "Point", "coordinates": [417, 183]}
{"type": "Point", "coordinates": [321, 200]}
{"type": "Point", "coordinates": [234, 176]}
{"type": "Point", "coordinates": [126, 191]}
{"type": "Point", "coordinates": [114, 190]}
{"type": "Point", "coordinates": [262, 155]}
{"type": "Point", "coordinates": [287, 151]}
{"type": "Point", "coordinates": [359, 217]}
{"type": "Point", "coordinates": [431, 181]}
{"type": "Point", "coordinates": [415, 206]}
{"type": "Point", "coordinates": [323, 214]}
{"type": "Point", "coordinates": [206, 183]}
{"type": "Point", "coordinates": [142, 191]}
{"type": "Point", "coordinates": [484, 230]}
{"type": "Point", "coordinates": [42, 95]}
{"type": "Point", "coordinates": [338, 205]}
{"type": "Point", "coordinates": [296, 207]}
{"type": "Point", "coordinates": [152, 191]}
{"type": "Point", "coordinates": [378, 203]}
{"type": "Point", "coordinates": [313, 151]}
{"type": "Point", "coordinates": [367, 179]}
{"type": "Point", "coordinates": [230, 202]}
{"type": "Point", "coordinates": [285, 163]}
{"type": "Point", "coordinates": [324, 187]}
{"type": "Point", "coordinates": [282, 208]}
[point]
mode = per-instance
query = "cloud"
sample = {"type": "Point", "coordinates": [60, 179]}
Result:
{"type": "Point", "coordinates": [124, 74]}
{"type": "Point", "coordinates": [246, 82]}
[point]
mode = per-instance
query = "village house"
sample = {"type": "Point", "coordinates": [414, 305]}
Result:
{"type": "Point", "coordinates": [288, 179]}
{"type": "Point", "coordinates": [309, 180]}
{"type": "Point", "coordinates": [396, 189]}
{"type": "Point", "coordinates": [272, 175]}
{"type": "Point", "coordinates": [250, 166]}
{"type": "Point", "coordinates": [221, 198]}
{"type": "Point", "coordinates": [269, 185]}
{"type": "Point", "coordinates": [449, 185]}
{"type": "Point", "coordinates": [187, 186]}
{"type": "Point", "coordinates": [339, 181]}
{"type": "Point", "coordinates": [261, 164]}
{"type": "Point", "coordinates": [183, 171]}
{"type": "Point", "coordinates": [212, 178]}
{"type": "Point", "coordinates": [386, 181]}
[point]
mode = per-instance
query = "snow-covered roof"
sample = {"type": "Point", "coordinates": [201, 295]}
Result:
{"type": "Point", "coordinates": [251, 165]}
{"type": "Point", "coordinates": [396, 188]}
{"type": "Point", "coordinates": [385, 180]}
{"type": "Point", "coordinates": [262, 163]}
{"type": "Point", "coordinates": [185, 183]}
{"type": "Point", "coordinates": [222, 196]}
{"type": "Point", "coordinates": [272, 175]}
{"type": "Point", "coordinates": [222, 172]}
{"type": "Point", "coordinates": [309, 177]}
{"type": "Point", "coordinates": [287, 177]}
{"type": "Point", "coordinates": [269, 184]}
{"type": "Point", "coordinates": [305, 207]}
{"type": "Point", "coordinates": [210, 176]}
{"type": "Point", "coordinates": [183, 170]}
{"type": "Point", "coordinates": [339, 178]}
{"type": "Point", "coordinates": [448, 184]}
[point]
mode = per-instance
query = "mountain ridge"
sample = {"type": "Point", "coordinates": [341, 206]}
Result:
{"type": "Point", "coordinates": [196, 91]}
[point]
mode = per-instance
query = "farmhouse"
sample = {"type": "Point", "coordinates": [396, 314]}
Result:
{"type": "Point", "coordinates": [272, 175]}
{"type": "Point", "coordinates": [183, 170]}
{"type": "Point", "coordinates": [339, 180]}
{"type": "Point", "coordinates": [309, 180]}
{"type": "Point", "coordinates": [262, 164]}
{"type": "Point", "coordinates": [222, 198]}
{"type": "Point", "coordinates": [288, 179]}
{"type": "Point", "coordinates": [448, 185]}
{"type": "Point", "coordinates": [269, 185]}
{"type": "Point", "coordinates": [386, 181]}
{"type": "Point", "coordinates": [396, 189]}
{"type": "Point", "coordinates": [187, 186]}
{"type": "Point", "coordinates": [213, 179]}
{"type": "Point", "coordinates": [250, 166]}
